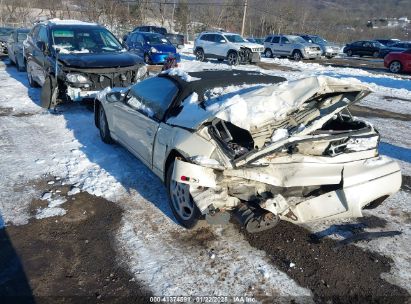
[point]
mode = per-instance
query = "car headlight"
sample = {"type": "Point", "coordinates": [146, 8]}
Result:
{"type": "Point", "coordinates": [153, 50]}
{"type": "Point", "coordinates": [77, 78]}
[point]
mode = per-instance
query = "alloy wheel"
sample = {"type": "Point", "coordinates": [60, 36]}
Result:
{"type": "Point", "coordinates": [180, 197]}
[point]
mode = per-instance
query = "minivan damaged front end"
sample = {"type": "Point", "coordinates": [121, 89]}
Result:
{"type": "Point", "coordinates": [314, 162]}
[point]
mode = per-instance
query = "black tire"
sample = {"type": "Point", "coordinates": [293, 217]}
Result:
{"type": "Point", "coordinates": [32, 82]}
{"type": "Point", "coordinates": [147, 59]}
{"type": "Point", "coordinates": [349, 53]}
{"type": "Point", "coordinates": [268, 53]}
{"type": "Point", "coordinates": [103, 126]}
{"type": "Point", "coordinates": [297, 56]}
{"type": "Point", "coordinates": [220, 59]}
{"type": "Point", "coordinates": [395, 66]}
{"type": "Point", "coordinates": [232, 58]}
{"type": "Point", "coordinates": [375, 54]}
{"type": "Point", "coordinates": [200, 56]}
{"type": "Point", "coordinates": [329, 57]}
{"type": "Point", "coordinates": [193, 215]}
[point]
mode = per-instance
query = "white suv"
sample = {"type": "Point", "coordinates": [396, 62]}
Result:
{"type": "Point", "coordinates": [230, 46]}
{"type": "Point", "coordinates": [290, 46]}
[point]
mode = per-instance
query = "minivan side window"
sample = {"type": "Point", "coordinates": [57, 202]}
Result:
{"type": "Point", "coordinates": [268, 39]}
{"type": "Point", "coordinates": [218, 38]}
{"type": "Point", "coordinates": [276, 39]}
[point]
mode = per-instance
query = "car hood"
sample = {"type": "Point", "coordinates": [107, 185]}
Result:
{"type": "Point", "coordinates": [101, 60]}
{"type": "Point", "coordinates": [249, 45]}
{"type": "Point", "coordinates": [163, 48]}
{"type": "Point", "coordinates": [263, 105]}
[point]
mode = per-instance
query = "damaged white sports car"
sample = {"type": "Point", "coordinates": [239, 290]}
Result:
{"type": "Point", "coordinates": [251, 146]}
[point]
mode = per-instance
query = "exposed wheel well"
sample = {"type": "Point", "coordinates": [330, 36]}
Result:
{"type": "Point", "coordinates": [199, 48]}
{"type": "Point", "coordinates": [170, 158]}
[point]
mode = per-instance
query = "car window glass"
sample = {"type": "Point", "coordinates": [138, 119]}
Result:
{"type": "Point", "coordinates": [43, 35]}
{"type": "Point", "coordinates": [284, 40]}
{"type": "Point", "coordinates": [276, 39]}
{"type": "Point", "coordinates": [218, 38]}
{"type": "Point", "coordinates": [366, 44]}
{"type": "Point", "coordinates": [148, 99]}
{"type": "Point", "coordinates": [140, 39]}
{"type": "Point", "coordinates": [21, 37]}
{"type": "Point", "coordinates": [204, 37]}
{"type": "Point", "coordinates": [268, 39]}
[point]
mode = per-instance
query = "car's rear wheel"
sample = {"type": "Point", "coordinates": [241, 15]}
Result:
{"type": "Point", "coordinates": [297, 56]}
{"type": "Point", "coordinates": [200, 55]}
{"type": "Point", "coordinates": [395, 67]}
{"type": "Point", "coordinates": [232, 58]}
{"type": "Point", "coordinates": [182, 205]}
{"type": "Point", "coordinates": [32, 82]}
{"type": "Point", "coordinates": [375, 54]}
{"type": "Point", "coordinates": [268, 53]}
{"type": "Point", "coordinates": [103, 126]}
{"type": "Point", "coordinates": [349, 53]}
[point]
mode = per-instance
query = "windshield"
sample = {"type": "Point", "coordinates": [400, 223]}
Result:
{"type": "Point", "coordinates": [21, 36]}
{"type": "Point", "coordinates": [318, 40]}
{"type": "Point", "coordinates": [235, 38]}
{"type": "Point", "coordinates": [85, 40]}
{"type": "Point", "coordinates": [296, 39]}
{"type": "Point", "coordinates": [156, 39]}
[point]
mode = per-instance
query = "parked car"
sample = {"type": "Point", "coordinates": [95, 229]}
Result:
{"type": "Point", "coordinates": [398, 62]}
{"type": "Point", "coordinates": [388, 42]}
{"type": "Point", "coordinates": [151, 29]}
{"type": "Point", "coordinates": [328, 49]}
{"type": "Point", "coordinates": [15, 47]}
{"type": "Point", "coordinates": [176, 39]}
{"type": "Point", "coordinates": [154, 48]}
{"type": "Point", "coordinates": [226, 46]}
{"type": "Point", "coordinates": [285, 150]}
{"type": "Point", "coordinates": [363, 48]}
{"type": "Point", "coordinates": [5, 33]}
{"type": "Point", "coordinates": [85, 57]}
{"type": "Point", "coordinates": [256, 40]}
{"type": "Point", "coordinates": [396, 47]}
{"type": "Point", "coordinates": [291, 46]}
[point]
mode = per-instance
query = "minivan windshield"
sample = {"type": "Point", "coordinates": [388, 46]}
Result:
{"type": "Point", "coordinates": [84, 40]}
{"type": "Point", "coordinates": [235, 38]}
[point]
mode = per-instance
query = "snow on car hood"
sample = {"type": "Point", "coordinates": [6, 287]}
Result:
{"type": "Point", "coordinates": [250, 45]}
{"type": "Point", "coordinates": [257, 107]}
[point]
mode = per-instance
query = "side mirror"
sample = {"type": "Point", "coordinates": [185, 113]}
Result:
{"type": "Point", "coordinates": [114, 96]}
{"type": "Point", "coordinates": [42, 46]}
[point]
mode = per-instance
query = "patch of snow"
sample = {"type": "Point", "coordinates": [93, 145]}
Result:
{"type": "Point", "coordinates": [180, 73]}
{"type": "Point", "coordinates": [73, 191]}
{"type": "Point", "coordinates": [50, 212]}
{"type": "Point", "coordinates": [279, 134]}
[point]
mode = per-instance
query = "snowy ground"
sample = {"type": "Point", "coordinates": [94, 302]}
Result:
{"type": "Point", "coordinates": [35, 144]}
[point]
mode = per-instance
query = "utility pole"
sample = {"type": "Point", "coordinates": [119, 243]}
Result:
{"type": "Point", "coordinates": [245, 12]}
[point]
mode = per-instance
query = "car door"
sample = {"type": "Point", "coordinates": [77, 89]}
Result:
{"type": "Point", "coordinates": [10, 46]}
{"type": "Point", "coordinates": [220, 48]}
{"type": "Point", "coordinates": [136, 120]}
{"type": "Point", "coordinates": [366, 48]}
{"type": "Point", "coordinates": [275, 45]}
{"type": "Point", "coordinates": [210, 45]}
{"type": "Point", "coordinates": [406, 60]}
{"type": "Point", "coordinates": [36, 63]}
{"type": "Point", "coordinates": [285, 46]}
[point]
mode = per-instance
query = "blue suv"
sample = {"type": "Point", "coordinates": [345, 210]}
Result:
{"type": "Point", "coordinates": [153, 47]}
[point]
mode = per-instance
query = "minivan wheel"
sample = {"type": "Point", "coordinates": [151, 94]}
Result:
{"type": "Point", "coordinates": [395, 67]}
{"type": "Point", "coordinates": [297, 56]}
{"type": "Point", "coordinates": [103, 126]}
{"type": "Point", "coordinates": [182, 205]}
{"type": "Point", "coordinates": [200, 55]}
{"type": "Point", "coordinates": [232, 58]}
{"type": "Point", "coordinates": [268, 53]}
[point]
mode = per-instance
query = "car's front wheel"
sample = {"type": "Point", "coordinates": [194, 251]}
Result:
{"type": "Point", "coordinates": [375, 54]}
{"type": "Point", "coordinates": [103, 126]}
{"type": "Point", "coordinates": [200, 55]}
{"type": "Point", "coordinates": [297, 56]}
{"type": "Point", "coordinates": [395, 67]}
{"type": "Point", "coordinates": [232, 58]}
{"type": "Point", "coordinates": [349, 53]}
{"type": "Point", "coordinates": [182, 205]}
